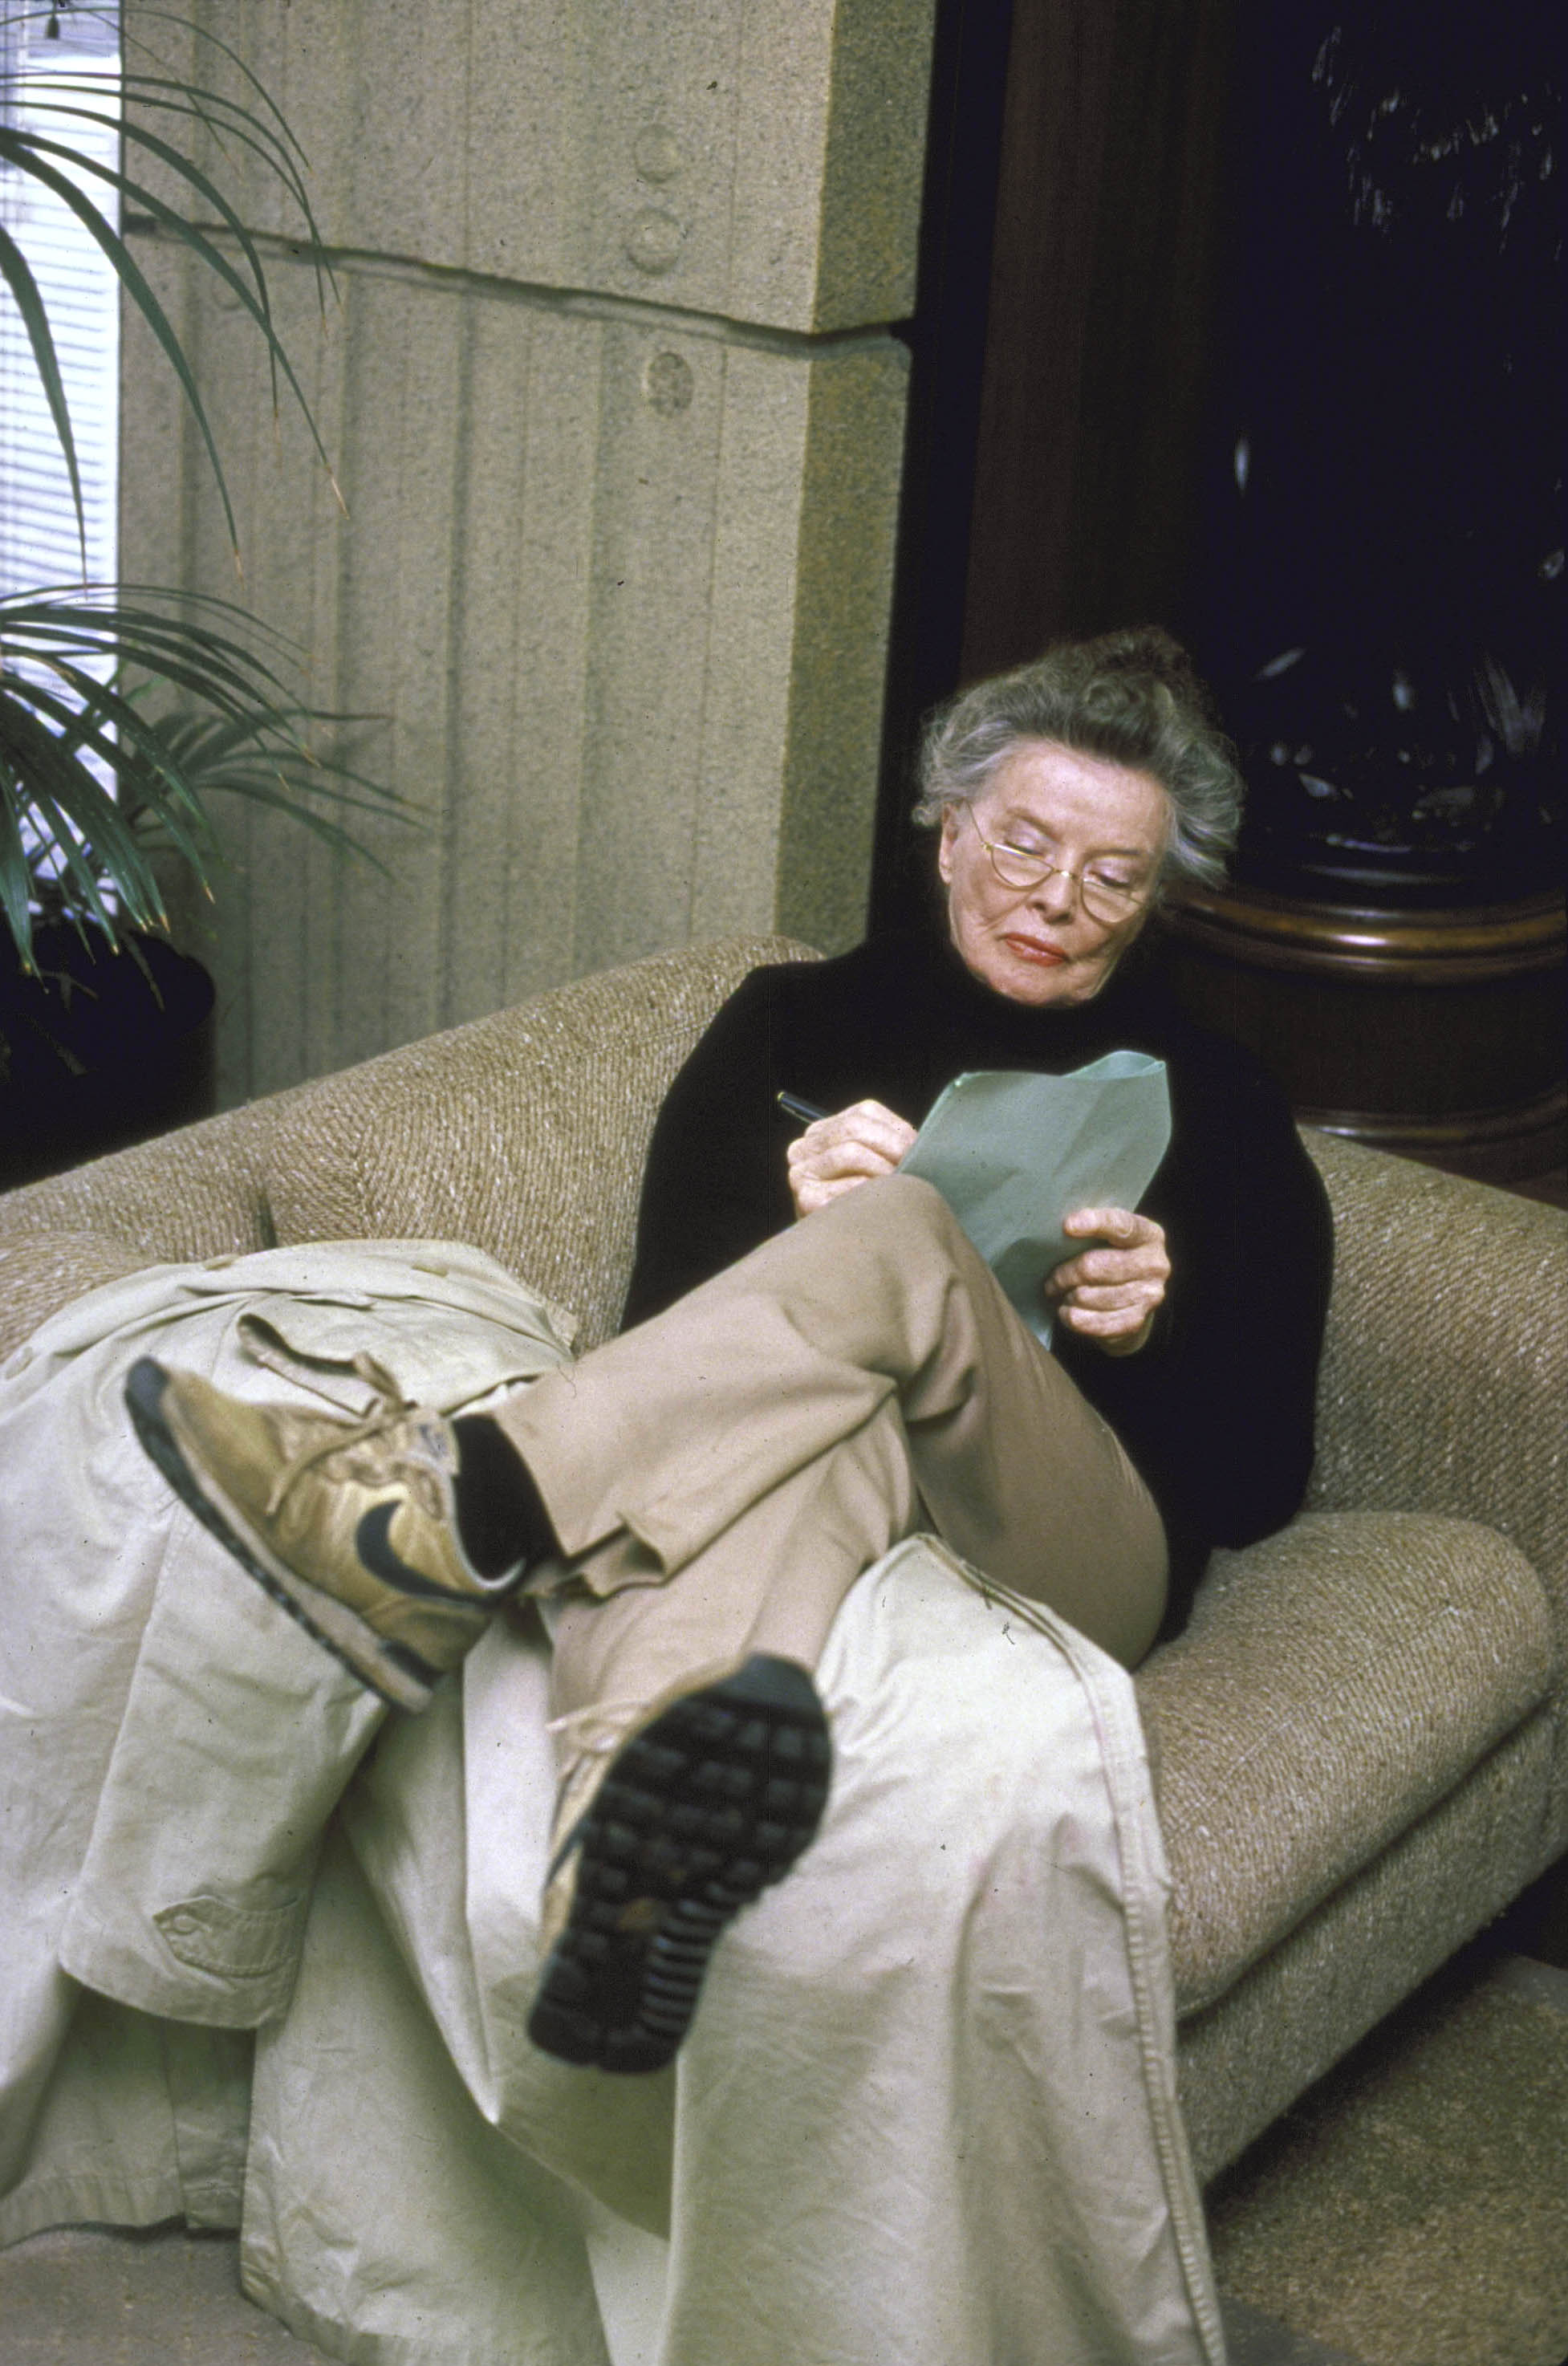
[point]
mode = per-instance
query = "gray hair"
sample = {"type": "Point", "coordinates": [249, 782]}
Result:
{"type": "Point", "coordinates": [1129, 697]}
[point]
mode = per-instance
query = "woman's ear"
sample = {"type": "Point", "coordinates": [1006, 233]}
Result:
{"type": "Point", "coordinates": [951, 818]}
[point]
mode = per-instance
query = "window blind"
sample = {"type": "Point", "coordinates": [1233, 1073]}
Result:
{"type": "Point", "coordinates": [38, 541]}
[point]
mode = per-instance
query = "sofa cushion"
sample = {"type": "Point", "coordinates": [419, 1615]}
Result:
{"type": "Point", "coordinates": [1335, 1680]}
{"type": "Point", "coordinates": [523, 1134]}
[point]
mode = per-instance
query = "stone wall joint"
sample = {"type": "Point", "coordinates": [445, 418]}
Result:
{"type": "Point", "coordinates": [581, 303]}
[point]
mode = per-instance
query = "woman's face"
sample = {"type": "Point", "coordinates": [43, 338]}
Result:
{"type": "Point", "coordinates": [1038, 945]}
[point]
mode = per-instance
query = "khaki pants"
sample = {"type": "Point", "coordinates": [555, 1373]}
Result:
{"type": "Point", "coordinates": [719, 1477]}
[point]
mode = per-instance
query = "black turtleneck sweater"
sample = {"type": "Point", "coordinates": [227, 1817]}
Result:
{"type": "Point", "coordinates": [1217, 1410]}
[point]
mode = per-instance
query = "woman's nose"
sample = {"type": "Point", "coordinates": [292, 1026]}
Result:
{"type": "Point", "coordinates": [1056, 894]}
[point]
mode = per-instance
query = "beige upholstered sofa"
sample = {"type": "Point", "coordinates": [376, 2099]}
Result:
{"type": "Point", "coordinates": [1361, 1738]}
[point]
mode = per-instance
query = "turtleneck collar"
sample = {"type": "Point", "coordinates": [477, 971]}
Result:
{"type": "Point", "coordinates": [1055, 1030]}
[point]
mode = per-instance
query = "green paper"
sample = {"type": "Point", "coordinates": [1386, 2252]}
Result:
{"type": "Point", "coordinates": [1014, 1154]}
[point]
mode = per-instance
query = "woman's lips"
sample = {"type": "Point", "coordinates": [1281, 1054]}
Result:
{"type": "Point", "coordinates": [1035, 948]}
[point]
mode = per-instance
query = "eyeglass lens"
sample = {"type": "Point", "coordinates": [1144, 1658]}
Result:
{"type": "Point", "coordinates": [1104, 896]}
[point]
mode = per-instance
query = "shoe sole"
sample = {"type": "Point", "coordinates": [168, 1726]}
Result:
{"type": "Point", "coordinates": [696, 1816]}
{"type": "Point", "coordinates": [398, 1674]}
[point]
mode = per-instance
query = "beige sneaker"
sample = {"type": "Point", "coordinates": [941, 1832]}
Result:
{"type": "Point", "coordinates": [670, 1818]}
{"type": "Point", "coordinates": [350, 1525]}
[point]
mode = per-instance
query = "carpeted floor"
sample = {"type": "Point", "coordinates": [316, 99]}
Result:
{"type": "Point", "coordinates": [1413, 2210]}
{"type": "Point", "coordinates": [86, 2297]}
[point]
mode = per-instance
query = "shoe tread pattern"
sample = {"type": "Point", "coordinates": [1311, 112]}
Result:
{"type": "Point", "coordinates": [696, 1816]}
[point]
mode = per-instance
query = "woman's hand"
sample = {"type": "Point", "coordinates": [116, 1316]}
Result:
{"type": "Point", "coordinates": [837, 1152]}
{"type": "Point", "coordinates": [1111, 1295]}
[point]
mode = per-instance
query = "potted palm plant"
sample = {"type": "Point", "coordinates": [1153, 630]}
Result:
{"type": "Point", "coordinates": [124, 709]}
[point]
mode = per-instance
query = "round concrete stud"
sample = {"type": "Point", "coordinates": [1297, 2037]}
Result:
{"type": "Point", "coordinates": [656, 152]}
{"type": "Point", "coordinates": [668, 385]}
{"type": "Point", "coordinates": [655, 239]}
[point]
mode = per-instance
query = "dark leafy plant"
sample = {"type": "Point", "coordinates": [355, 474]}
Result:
{"type": "Point", "coordinates": [244, 735]}
{"type": "Point", "coordinates": [197, 697]}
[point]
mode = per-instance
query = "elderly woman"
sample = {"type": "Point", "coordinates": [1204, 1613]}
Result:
{"type": "Point", "coordinates": [926, 2108]}
{"type": "Point", "coordinates": [1068, 795]}
{"type": "Point", "coordinates": [697, 1499]}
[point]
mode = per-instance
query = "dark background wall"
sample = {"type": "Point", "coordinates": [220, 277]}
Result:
{"type": "Point", "coordinates": [1060, 345]}
{"type": "Point", "coordinates": [1249, 321]}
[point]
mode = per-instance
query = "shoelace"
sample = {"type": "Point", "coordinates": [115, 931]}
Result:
{"type": "Point", "coordinates": [343, 1436]}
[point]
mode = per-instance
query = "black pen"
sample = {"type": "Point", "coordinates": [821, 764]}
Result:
{"type": "Point", "coordinates": [793, 1106]}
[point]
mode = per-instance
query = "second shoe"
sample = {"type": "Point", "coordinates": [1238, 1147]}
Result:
{"type": "Point", "coordinates": [709, 1798]}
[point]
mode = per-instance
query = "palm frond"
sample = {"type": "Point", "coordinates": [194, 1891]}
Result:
{"type": "Point", "coordinates": [124, 709]}
{"type": "Point", "coordinates": [16, 871]}
{"type": "Point", "coordinates": [30, 153]}
{"type": "Point", "coordinates": [235, 127]}
{"type": "Point", "coordinates": [285, 137]}
{"type": "Point", "coordinates": [75, 816]}
{"type": "Point", "coordinates": [17, 274]}
{"type": "Point", "coordinates": [176, 709]}
{"type": "Point", "coordinates": [56, 166]}
{"type": "Point", "coordinates": [88, 728]}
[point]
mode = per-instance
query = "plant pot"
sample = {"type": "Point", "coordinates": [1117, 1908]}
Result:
{"type": "Point", "coordinates": [99, 1050]}
{"type": "Point", "coordinates": [1438, 1034]}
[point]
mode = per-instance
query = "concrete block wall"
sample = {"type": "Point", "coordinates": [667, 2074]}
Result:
{"type": "Point", "coordinates": [619, 419]}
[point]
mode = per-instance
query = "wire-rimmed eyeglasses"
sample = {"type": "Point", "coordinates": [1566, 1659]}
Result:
{"type": "Point", "coordinates": [1105, 897]}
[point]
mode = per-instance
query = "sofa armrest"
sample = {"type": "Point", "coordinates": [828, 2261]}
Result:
{"type": "Point", "coordinates": [1337, 1681]}
{"type": "Point", "coordinates": [1445, 1373]}
{"type": "Point", "coordinates": [197, 1193]}
{"type": "Point", "coordinates": [523, 1133]}
{"type": "Point", "coordinates": [41, 1272]}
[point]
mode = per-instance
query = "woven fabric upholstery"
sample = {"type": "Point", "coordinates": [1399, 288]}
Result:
{"type": "Point", "coordinates": [1336, 1682]}
{"type": "Point", "coordinates": [195, 1193]}
{"type": "Point", "coordinates": [523, 1134]}
{"type": "Point", "coordinates": [1445, 1377]}
{"type": "Point", "coordinates": [1445, 1380]}
{"type": "Point", "coordinates": [1363, 1951]}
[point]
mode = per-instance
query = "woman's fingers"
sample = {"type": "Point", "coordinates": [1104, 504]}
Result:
{"type": "Point", "coordinates": [1114, 1323]}
{"type": "Point", "coordinates": [1112, 1293]}
{"type": "Point", "coordinates": [865, 1125]}
{"type": "Point", "coordinates": [1136, 1253]}
{"type": "Point", "coordinates": [1121, 1227]}
{"type": "Point", "coordinates": [810, 1195]}
{"type": "Point", "coordinates": [1105, 1298]}
{"type": "Point", "coordinates": [853, 1146]}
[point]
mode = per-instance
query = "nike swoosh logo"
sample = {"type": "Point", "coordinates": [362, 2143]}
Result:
{"type": "Point", "coordinates": [374, 1545]}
